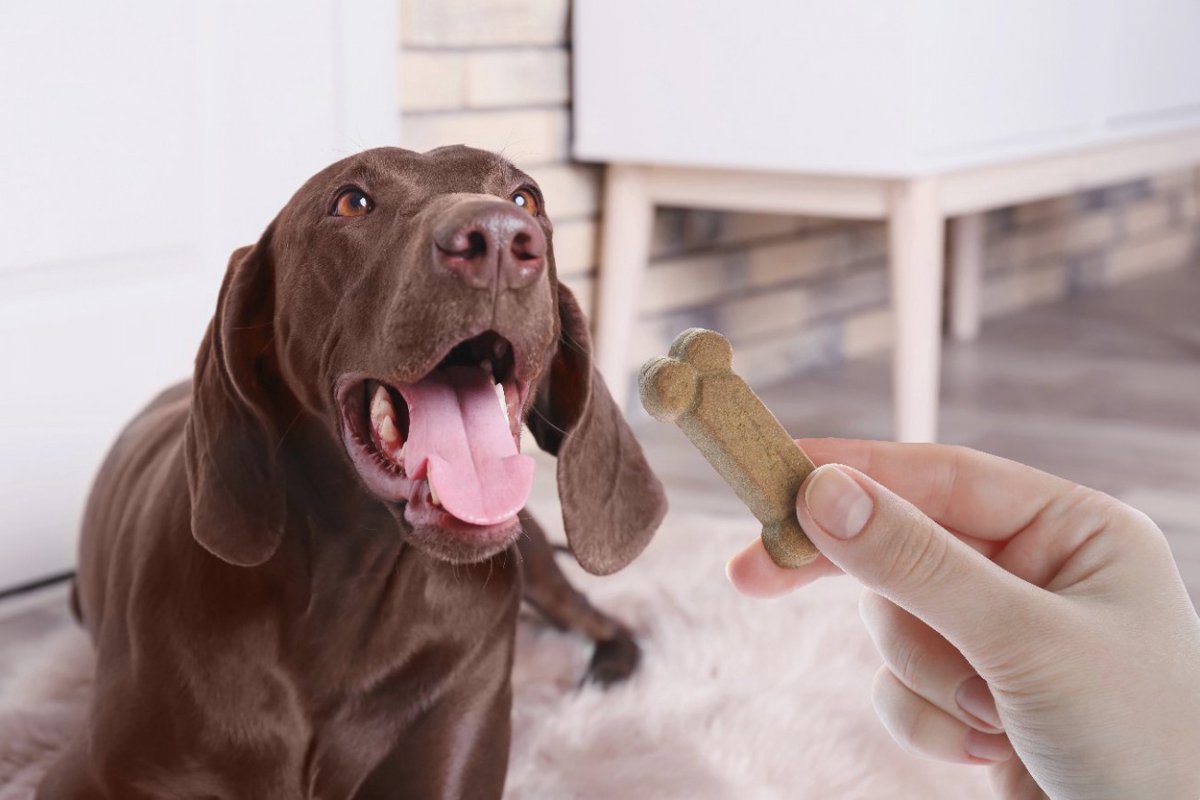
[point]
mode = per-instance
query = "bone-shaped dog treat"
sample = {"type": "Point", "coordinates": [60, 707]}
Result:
{"type": "Point", "coordinates": [695, 388]}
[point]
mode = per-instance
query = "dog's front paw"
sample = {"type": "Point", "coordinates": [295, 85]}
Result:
{"type": "Point", "coordinates": [614, 660]}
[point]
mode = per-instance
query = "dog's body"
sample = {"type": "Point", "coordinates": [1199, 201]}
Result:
{"type": "Point", "coordinates": [281, 606]}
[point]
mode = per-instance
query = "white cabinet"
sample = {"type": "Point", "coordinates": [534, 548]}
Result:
{"type": "Point", "coordinates": [877, 87]}
{"type": "Point", "coordinates": [140, 142]}
{"type": "Point", "coordinates": [910, 112]}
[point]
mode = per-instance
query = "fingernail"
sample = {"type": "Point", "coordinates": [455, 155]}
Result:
{"type": "Point", "coordinates": [975, 698]}
{"type": "Point", "coordinates": [988, 746]}
{"type": "Point", "coordinates": [837, 502]}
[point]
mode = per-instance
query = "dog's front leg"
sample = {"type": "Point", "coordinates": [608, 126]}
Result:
{"type": "Point", "coordinates": [458, 749]}
{"type": "Point", "coordinates": [546, 589]}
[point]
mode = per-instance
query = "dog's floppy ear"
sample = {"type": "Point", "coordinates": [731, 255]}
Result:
{"type": "Point", "coordinates": [611, 502]}
{"type": "Point", "coordinates": [237, 492]}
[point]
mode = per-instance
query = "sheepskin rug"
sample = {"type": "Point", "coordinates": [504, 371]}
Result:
{"type": "Point", "coordinates": [735, 698]}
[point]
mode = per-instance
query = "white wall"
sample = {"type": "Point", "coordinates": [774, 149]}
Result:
{"type": "Point", "coordinates": [140, 142]}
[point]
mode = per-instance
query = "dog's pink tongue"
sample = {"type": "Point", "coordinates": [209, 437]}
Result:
{"type": "Point", "coordinates": [459, 440]}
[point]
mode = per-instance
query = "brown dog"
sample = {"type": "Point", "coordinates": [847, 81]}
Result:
{"type": "Point", "coordinates": [301, 570]}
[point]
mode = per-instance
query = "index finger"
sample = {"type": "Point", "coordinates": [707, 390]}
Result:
{"type": "Point", "coordinates": [976, 493]}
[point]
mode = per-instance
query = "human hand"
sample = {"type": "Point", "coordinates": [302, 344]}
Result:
{"type": "Point", "coordinates": [1014, 610]}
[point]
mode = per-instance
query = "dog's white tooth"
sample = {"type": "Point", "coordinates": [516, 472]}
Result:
{"type": "Point", "coordinates": [433, 495]}
{"type": "Point", "coordinates": [485, 365]}
{"type": "Point", "coordinates": [381, 405]}
{"type": "Point", "coordinates": [499, 348]}
{"type": "Point", "coordinates": [400, 453]}
{"type": "Point", "coordinates": [501, 398]}
{"type": "Point", "coordinates": [387, 430]}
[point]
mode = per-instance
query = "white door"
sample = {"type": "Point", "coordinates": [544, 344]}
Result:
{"type": "Point", "coordinates": [140, 142]}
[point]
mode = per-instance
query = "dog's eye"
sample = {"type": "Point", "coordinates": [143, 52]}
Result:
{"type": "Point", "coordinates": [527, 200]}
{"type": "Point", "coordinates": [352, 203]}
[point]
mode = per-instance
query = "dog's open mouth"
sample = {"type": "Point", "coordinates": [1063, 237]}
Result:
{"type": "Point", "coordinates": [448, 444]}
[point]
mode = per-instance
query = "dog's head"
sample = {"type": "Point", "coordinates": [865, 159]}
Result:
{"type": "Point", "coordinates": [409, 304]}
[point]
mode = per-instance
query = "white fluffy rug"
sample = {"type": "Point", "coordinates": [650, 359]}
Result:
{"type": "Point", "coordinates": [734, 699]}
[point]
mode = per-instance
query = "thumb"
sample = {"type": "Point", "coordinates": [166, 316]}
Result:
{"type": "Point", "coordinates": [894, 549]}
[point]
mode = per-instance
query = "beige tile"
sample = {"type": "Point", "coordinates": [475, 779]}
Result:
{"type": "Point", "coordinates": [582, 286]}
{"type": "Point", "coordinates": [1189, 204]}
{"type": "Point", "coordinates": [1146, 217]}
{"type": "Point", "coordinates": [529, 137]}
{"type": "Point", "coordinates": [766, 361]}
{"type": "Point", "coordinates": [771, 359]}
{"type": "Point", "coordinates": [764, 313]}
{"type": "Point", "coordinates": [571, 190]}
{"type": "Point", "coordinates": [483, 22]}
{"type": "Point", "coordinates": [865, 241]}
{"type": "Point", "coordinates": [869, 331]}
{"type": "Point", "coordinates": [431, 81]}
{"type": "Point", "coordinates": [651, 337]}
{"type": "Point", "coordinates": [743, 227]}
{"type": "Point", "coordinates": [519, 77]}
{"type": "Point", "coordinates": [1134, 259]}
{"type": "Point", "coordinates": [1044, 210]}
{"type": "Point", "coordinates": [805, 257]}
{"type": "Point", "coordinates": [686, 281]}
{"type": "Point", "coordinates": [1009, 292]}
{"type": "Point", "coordinates": [1176, 179]}
{"type": "Point", "coordinates": [679, 231]}
{"type": "Point", "coordinates": [575, 246]}
{"type": "Point", "coordinates": [1078, 233]}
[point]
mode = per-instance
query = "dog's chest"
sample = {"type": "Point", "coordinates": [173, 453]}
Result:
{"type": "Point", "coordinates": [378, 670]}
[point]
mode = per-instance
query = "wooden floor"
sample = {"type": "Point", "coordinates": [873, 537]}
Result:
{"type": "Point", "coordinates": [1103, 389]}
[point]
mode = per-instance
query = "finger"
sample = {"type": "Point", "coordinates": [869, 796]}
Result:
{"type": "Point", "coordinates": [895, 550]}
{"type": "Point", "coordinates": [923, 729]}
{"type": "Point", "coordinates": [988, 500]}
{"type": "Point", "coordinates": [754, 574]}
{"type": "Point", "coordinates": [929, 665]}
{"type": "Point", "coordinates": [963, 489]}
{"type": "Point", "coordinates": [1011, 779]}
{"type": "Point", "coordinates": [1092, 533]}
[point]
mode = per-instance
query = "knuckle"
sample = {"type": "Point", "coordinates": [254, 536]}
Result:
{"type": "Point", "coordinates": [1091, 510]}
{"type": "Point", "coordinates": [914, 555]}
{"type": "Point", "coordinates": [1130, 520]}
{"type": "Point", "coordinates": [1086, 505]}
{"type": "Point", "coordinates": [902, 654]}
{"type": "Point", "coordinates": [916, 732]}
{"type": "Point", "coordinates": [950, 472]}
{"type": "Point", "coordinates": [906, 659]}
{"type": "Point", "coordinates": [1139, 519]}
{"type": "Point", "coordinates": [871, 608]}
{"type": "Point", "coordinates": [895, 709]}
{"type": "Point", "coordinates": [907, 731]}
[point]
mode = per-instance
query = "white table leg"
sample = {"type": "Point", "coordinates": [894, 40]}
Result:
{"type": "Point", "coordinates": [625, 251]}
{"type": "Point", "coordinates": [966, 276]}
{"type": "Point", "coordinates": [915, 243]}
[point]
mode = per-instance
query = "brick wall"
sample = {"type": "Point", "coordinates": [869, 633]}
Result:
{"type": "Point", "coordinates": [496, 74]}
{"type": "Point", "coordinates": [792, 293]}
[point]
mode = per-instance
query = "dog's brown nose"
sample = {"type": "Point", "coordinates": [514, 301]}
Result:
{"type": "Point", "coordinates": [489, 243]}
